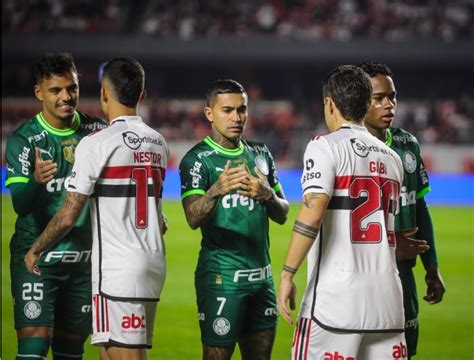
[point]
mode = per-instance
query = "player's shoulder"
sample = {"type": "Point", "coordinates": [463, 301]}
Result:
{"type": "Point", "coordinates": [400, 135]}
{"type": "Point", "coordinates": [197, 152]}
{"type": "Point", "coordinates": [26, 132]}
{"type": "Point", "coordinates": [256, 146]}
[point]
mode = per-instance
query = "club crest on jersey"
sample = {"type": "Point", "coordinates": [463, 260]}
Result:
{"type": "Point", "coordinates": [261, 165]}
{"type": "Point", "coordinates": [32, 309]}
{"type": "Point", "coordinates": [221, 326]}
{"type": "Point", "coordinates": [409, 161]}
{"type": "Point", "coordinates": [69, 148]}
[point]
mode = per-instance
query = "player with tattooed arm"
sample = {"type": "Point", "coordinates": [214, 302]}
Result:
{"type": "Point", "coordinates": [230, 189]}
{"type": "Point", "coordinates": [352, 307]}
{"type": "Point", "coordinates": [120, 171]}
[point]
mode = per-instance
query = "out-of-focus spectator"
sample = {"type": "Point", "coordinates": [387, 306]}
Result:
{"type": "Point", "coordinates": [83, 16]}
{"type": "Point", "coordinates": [284, 127]}
{"type": "Point", "coordinates": [311, 19]}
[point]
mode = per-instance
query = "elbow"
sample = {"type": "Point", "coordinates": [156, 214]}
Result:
{"type": "Point", "coordinates": [281, 220]}
{"type": "Point", "coordinates": [193, 224]}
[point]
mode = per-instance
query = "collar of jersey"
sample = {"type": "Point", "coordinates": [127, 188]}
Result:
{"type": "Point", "coordinates": [126, 118]}
{"type": "Point", "coordinates": [59, 132]}
{"type": "Point", "coordinates": [389, 139]}
{"type": "Point", "coordinates": [223, 150]}
{"type": "Point", "coordinates": [355, 127]}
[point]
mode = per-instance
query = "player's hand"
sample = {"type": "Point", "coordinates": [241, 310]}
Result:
{"type": "Point", "coordinates": [30, 261]}
{"type": "Point", "coordinates": [408, 247]}
{"type": "Point", "coordinates": [256, 188]}
{"type": "Point", "coordinates": [435, 286]}
{"type": "Point", "coordinates": [230, 179]}
{"type": "Point", "coordinates": [44, 169]}
{"type": "Point", "coordinates": [286, 291]}
{"type": "Point", "coordinates": [163, 224]}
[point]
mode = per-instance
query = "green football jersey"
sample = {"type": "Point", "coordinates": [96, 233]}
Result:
{"type": "Point", "coordinates": [235, 241]}
{"type": "Point", "coordinates": [415, 178]}
{"type": "Point", "coordinates": [57, 145]}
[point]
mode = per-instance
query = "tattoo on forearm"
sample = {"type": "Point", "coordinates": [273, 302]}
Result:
{"type": "Point", "coordinates": [289, 269]}
{"type": "Point", "coordinates": [308, 199]}
{"type": "Point", "coordinates": [61, 222]}
{"type": "Point", "coordinates": [201, 208]}
{"type": "Point", "coordinates": [305, 230]}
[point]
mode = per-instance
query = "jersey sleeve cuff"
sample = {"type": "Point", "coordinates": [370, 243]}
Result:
{"type": "Point", "coordinates": [423, 192]}
{"type": "Point", "coordinates": [16, 180]}
{"type": "Point", "coordinates": [192, 192]}
{"type": "Point", "coordinates": [277, 187]}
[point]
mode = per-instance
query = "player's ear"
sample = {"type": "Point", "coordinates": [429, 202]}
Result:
{"type": "Point", "coordinates": [142, 96]}
{"type": "Point", "coordinates": [38, 92]}
{"type": "Point", "coordinates": [330, 105]}
{"type": "Point", "coordinates": [103, 94]}
{"type": "Point", "coordinates": [208, 113]}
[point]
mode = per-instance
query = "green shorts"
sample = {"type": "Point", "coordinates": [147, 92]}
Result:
{"type": "Point", "coordinates": [224, 317]}
{"type": "Point", "coordinates": [410, 305]}
{"type": "Point", "coordinates": [59, 298]}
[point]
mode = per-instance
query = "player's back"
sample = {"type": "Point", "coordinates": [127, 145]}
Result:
{"type": "Point", "coordinates": [129, 159]}
{"type": "Point", "coordinates": [355, 258]}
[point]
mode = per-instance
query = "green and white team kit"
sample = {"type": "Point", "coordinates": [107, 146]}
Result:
{"type": "Point", "coordinates": [234, 261]}
{"type": "Point", "coordinates": [70, 255]}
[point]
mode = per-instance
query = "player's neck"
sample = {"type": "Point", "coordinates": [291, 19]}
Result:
{"type": "Point", "coordinates": [117, 111]}
{"type": "Point", "coordinates": [380, 134]}
{"type": "Point", "coordinates": [58, 123]}
{"type": "Point", "coordinates": [225, 142]}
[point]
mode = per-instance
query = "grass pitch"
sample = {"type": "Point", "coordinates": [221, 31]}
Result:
{"type": "Point", "coordinates": [446, 329]}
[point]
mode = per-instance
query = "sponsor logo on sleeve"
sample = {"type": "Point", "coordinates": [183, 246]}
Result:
{"type": "Point", "coordinates": [23, 158]}
{"type": "Point", "coordinates": [195, 173]}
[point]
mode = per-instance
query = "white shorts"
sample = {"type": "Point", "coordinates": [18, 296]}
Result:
{"type": "Point", "coordinates": [312, 342]}
{"type": "Point", "coordinates": [122, 323]}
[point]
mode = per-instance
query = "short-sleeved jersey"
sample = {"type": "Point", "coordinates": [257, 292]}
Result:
{"type": "Point", "coordinates": [235, 241]}
{"type": "Point", "coordinates": [123, 167]}
{"type": "Point", "coordinates": [58, 145]}
{"type": "Point", "coordinates": [415, 179]}
{"type": "Point", "coordinates": [355, 285]}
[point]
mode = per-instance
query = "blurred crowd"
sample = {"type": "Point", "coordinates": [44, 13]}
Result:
{"type": "Point", "coordinates": [301, 19]}
{"type": "Point", "coordinates": [279, 123]}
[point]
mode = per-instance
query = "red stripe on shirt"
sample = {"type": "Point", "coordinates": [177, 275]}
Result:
{"type": "Point", "coordinates": [305, 354]}
{"type": "Point", "coordinates": [125, 172]}
{"type": "Point", "coordinates": [343, 182]}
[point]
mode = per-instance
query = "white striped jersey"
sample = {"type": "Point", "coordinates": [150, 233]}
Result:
{"type": "Point", "coordinates": [122, 168]}
{"type": "Point", "coordinates": [354, 286]}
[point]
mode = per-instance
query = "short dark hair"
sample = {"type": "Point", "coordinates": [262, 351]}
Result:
{"type": "Point", "coordinates": [223, 86]}
{"type": "Point", "coordinates": [374, 69]}
{"type": "Point", "coordinates": [350, 89]}
{"type": "Point", "coordinates": [127, 78]}
{"type": "Point", "coordinates": [53, 64]}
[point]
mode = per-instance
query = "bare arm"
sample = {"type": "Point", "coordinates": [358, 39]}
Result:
{"type": "Point", "coordinates": [197, 208]}
{"type": "Point", "coordinates": [59, 225]}
{"type": "Point", "coordinates": [305, 231]}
